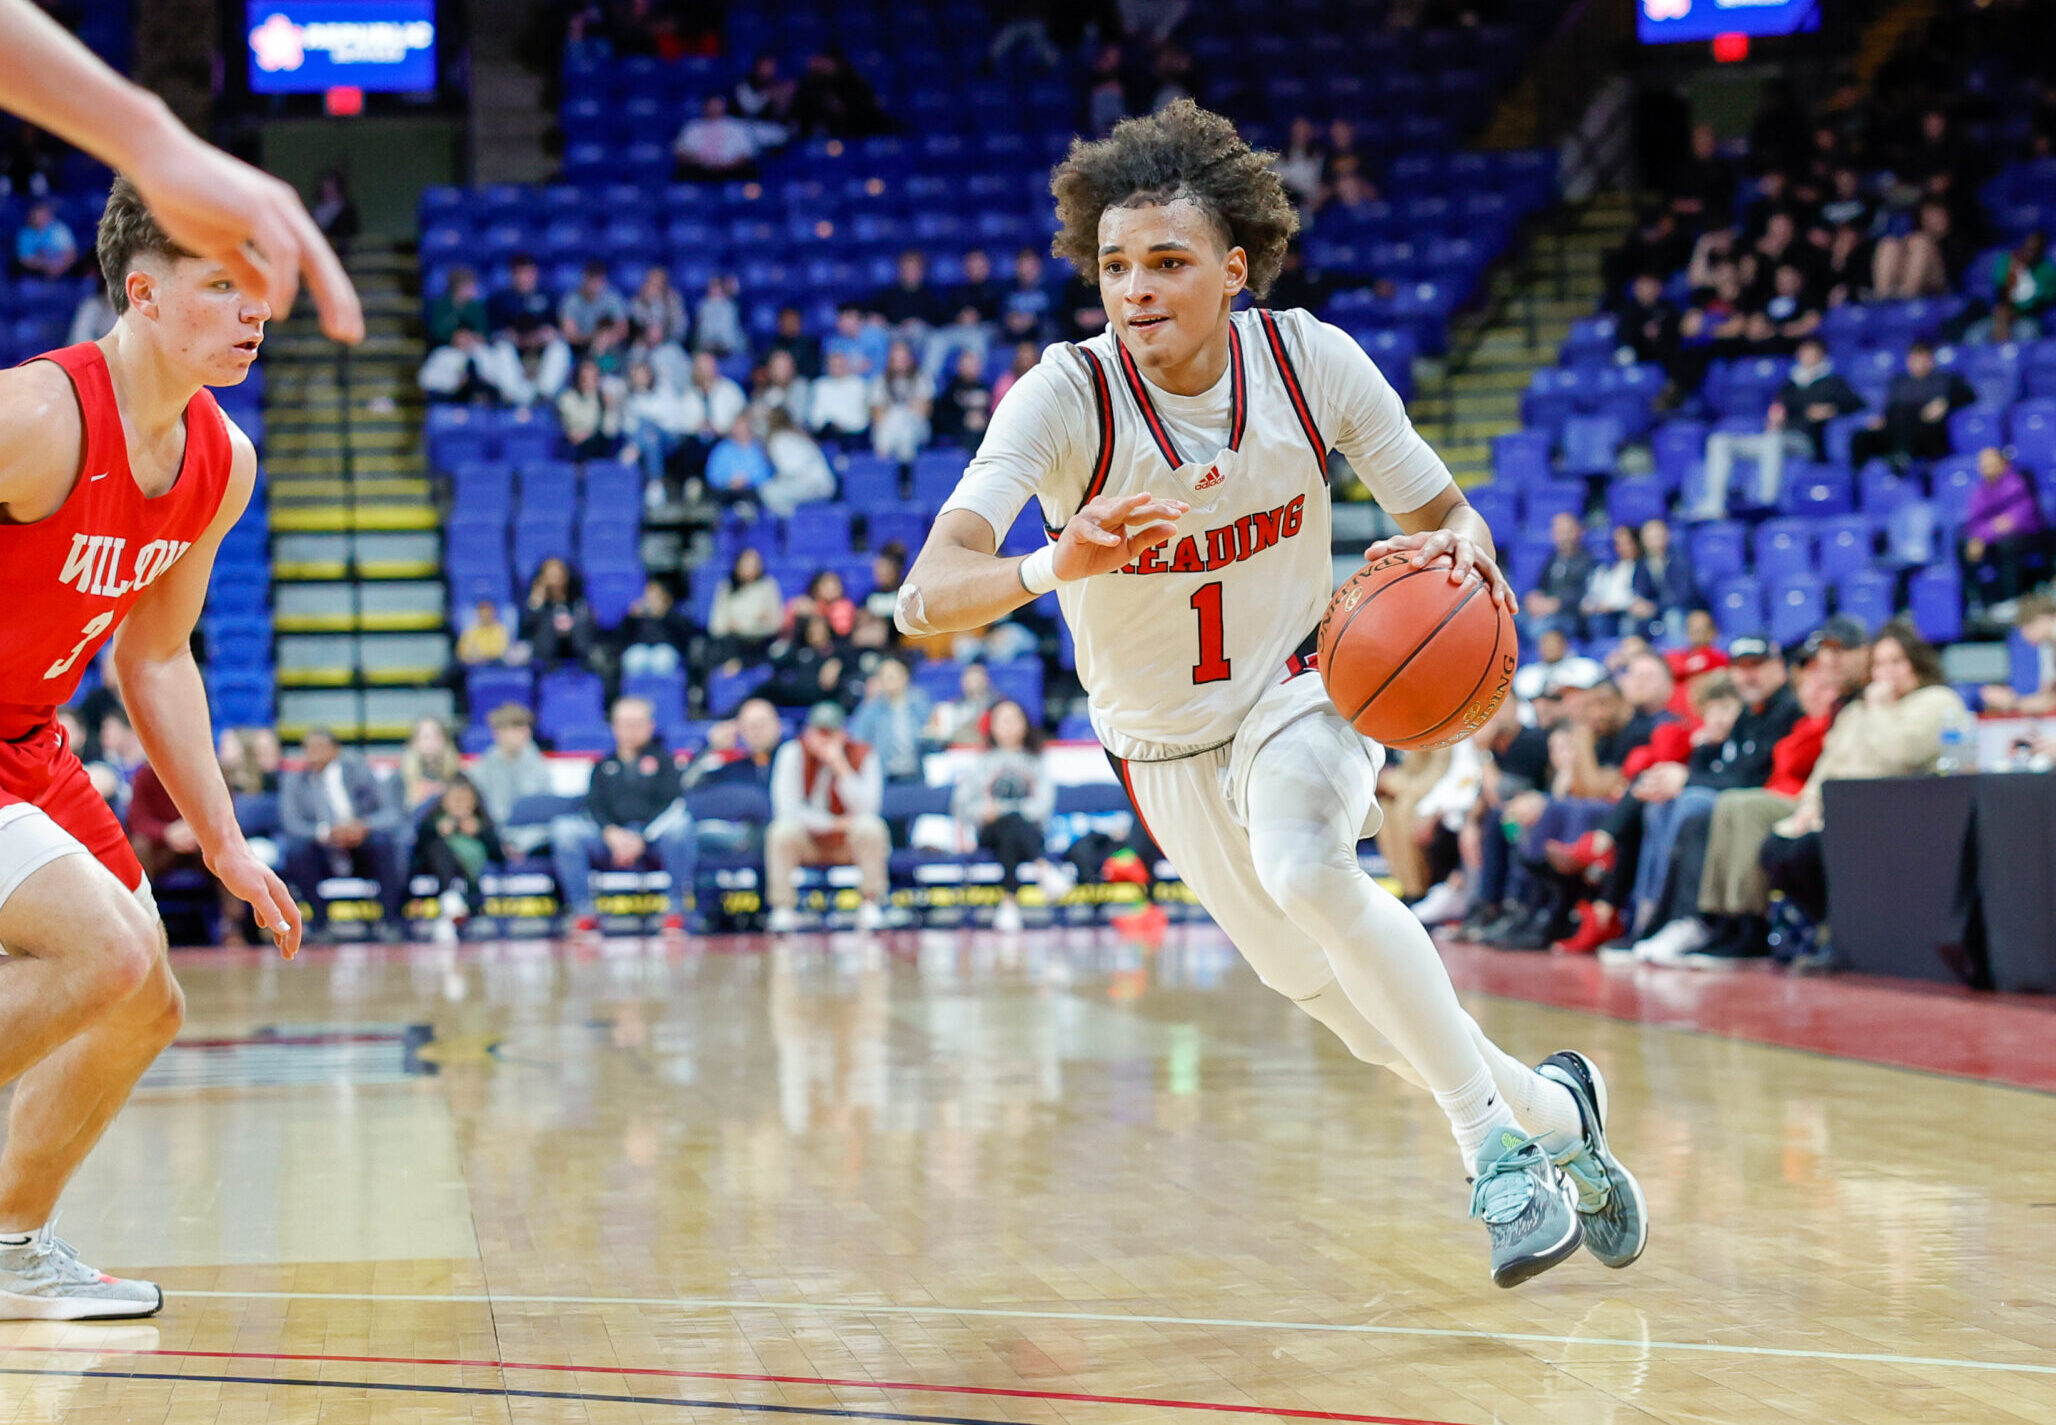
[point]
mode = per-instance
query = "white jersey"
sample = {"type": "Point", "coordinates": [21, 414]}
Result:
{"type": "Point", "coordinates": [1175, 649]}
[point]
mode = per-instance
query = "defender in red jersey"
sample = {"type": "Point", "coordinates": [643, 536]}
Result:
{"type": "Point", "coordinates": [119, 475]}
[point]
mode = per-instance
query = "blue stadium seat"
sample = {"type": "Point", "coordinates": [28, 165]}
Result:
{"type": "Point", "coordinates": [1798, 604]}
{"type": "Point", "coordinates": [1738, 605]}
{"type": "Point", "coordinates": [1634, 501]}
{"type": "Point", "coordinates": [610, 592]}
{"type": "Point", "coordinates": [1498, 504]}
{"type": "Point", "coordinates": [666, 696]}
{"type": "Point", "coordinates": [1783, 547]}
{"type": "Point", "coordinates": [2032, 425]}
{"type": "Point", "coordinates": [569, 698]}
{"type": "Point", "coordinates": [1020, 680]}
{"type": "Point", "coordinates": [539, 537]}
{"type": "Point", "coordinates": [1867, 597]}
{"type": "Point", "coordinates": [1844, 546]}
{"type": "Point", "coordinates": [936, 473]}
{"type": "Point", "coordinates": [1955, 481]}
{"type": "Point", "coordinates": [1591, 444]}
{"type": "Point", "coordinates": [1677, 447]}
{"type": "Point", "coordinates": [1817, 488]}
{"type": "Point", "coordinates": [1975, 427]}
{"type": "Point", "coordinates": [1719, 550]}
{"type": "Point", "coordinates": [818, 529]}
{"type": "Point", "coordinates": [1551, 498]}
{"type": "Point", "coordinates": [726, 691]}
{"type": "Point", "coordinates": [1521, 457]}
{"type": "Point", "coordinates": [1935, 597]}
{"type": "Point", "coordinates": [488, 686]}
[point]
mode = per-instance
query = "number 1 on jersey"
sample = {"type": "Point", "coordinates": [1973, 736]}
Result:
{"type": "Point", "coordinates": [1213, 665]}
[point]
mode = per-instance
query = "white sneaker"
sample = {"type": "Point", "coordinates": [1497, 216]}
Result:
{"type": "Point", "coordinates": [1687, 935]}
{"type": "Point", "coordinates": [784, 920]}
{"type": "Point", "coordinates": [1055, 879]}
{"type": "Point", "coordinates": [1442, 904]}
{"type": "Point", "coordinates": [1007, 919]}
{"type": "Point", "coordinates": [453, 905]}
{"type": "Point", "coordinates": [870, 916]}
{"type": "Point", "coordinates": [44, 1280]}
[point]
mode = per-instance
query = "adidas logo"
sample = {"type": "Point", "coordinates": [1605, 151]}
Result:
{"type": "Point", "coordinates": [1210, 479]}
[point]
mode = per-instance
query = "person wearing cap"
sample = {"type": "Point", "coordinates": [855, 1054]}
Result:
{"type": "Point", "coordinates": [634, 814]}
{"type": "Point", "coordinates": [826, 789]}
{"type": "Point", "coordinates": [1814, 393]}
{"type": "Point", "coordinates": [1842, 645]}
{"type": "Point", "coordinates": [2035, 620]}
{"type": "Point", "coordinates": [1555, 668]}
{"type": "Point", "coordinates": [1680, 799]}
{"type": "Point", "coordinates": [512, 768]}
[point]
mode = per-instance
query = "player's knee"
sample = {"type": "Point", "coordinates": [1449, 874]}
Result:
{"type": "Point", "coordinates": [1301, 881]}
{"type": "Point", "coordinates": [124, 963]}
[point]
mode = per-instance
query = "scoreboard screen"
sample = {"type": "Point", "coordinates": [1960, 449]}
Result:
{"type": "Point", "coordinates": [1660, 22]}
{"type": "Point", "coordinates": [311, 47]}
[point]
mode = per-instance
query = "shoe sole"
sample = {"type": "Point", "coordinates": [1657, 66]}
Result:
{"type": "Point", "coordinates": [74, 1308]}
{"type": "Point", "coordinates": [1514, 1273]}
{"type": "Point", "coordinates": [1593, 1088]}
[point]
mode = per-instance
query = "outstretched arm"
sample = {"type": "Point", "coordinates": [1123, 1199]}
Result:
{"type": "Point", "coordinates": [208, 203]}
{"type": "Point", "coordinates": [167, 703]}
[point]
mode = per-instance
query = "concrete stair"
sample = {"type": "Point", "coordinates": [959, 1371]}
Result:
{"type": "Point", "coordinates": [356, 558]}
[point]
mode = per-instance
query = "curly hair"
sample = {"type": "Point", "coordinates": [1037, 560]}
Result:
{"type": "Point", "coordinates": [1182, 152]}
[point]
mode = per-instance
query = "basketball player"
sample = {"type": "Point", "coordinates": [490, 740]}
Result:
{"type": "Point", "coordinates": [119, 475]}
{"type": "Point", "coordinates": [1180, 462]}
{"type": "Point", "coordinates": [206, 202]}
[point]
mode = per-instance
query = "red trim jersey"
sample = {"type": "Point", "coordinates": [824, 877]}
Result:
{"type": "Point", "coordinates": [1175, 649]}
{"type": "Point", "coordinates": [66, 582]}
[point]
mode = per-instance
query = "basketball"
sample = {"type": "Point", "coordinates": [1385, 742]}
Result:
{"type": "Point", "coordinates": [1412, 660]}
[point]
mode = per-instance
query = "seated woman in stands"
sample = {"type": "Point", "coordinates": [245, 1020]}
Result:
{"type": "Point", "coordinates": [457, 842]}
{"type": "Point", "coordinates": [1004, 798]}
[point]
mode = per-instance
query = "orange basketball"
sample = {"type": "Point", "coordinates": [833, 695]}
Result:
{"type": "Point", "coordinates": [1412, 660]}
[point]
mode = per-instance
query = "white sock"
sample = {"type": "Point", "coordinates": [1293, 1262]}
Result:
{"type": "Point", "coordinates": [1544, 1107]}
{"type": "Point", "coordinates": [17, 1239]}
{"type": "Point", "coordinates": [1476, 1112]}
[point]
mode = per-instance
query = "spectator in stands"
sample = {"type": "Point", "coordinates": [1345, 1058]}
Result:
{"type": "Point", "coordinates": [1612, 606]}
{"type": "Point", "coordinates": [656, 311]}
{"type": "Point", "coordinates": [1026, 354]}
{"type": "Point", "coordinates": [717, 322]}
{"type": "Point", "coordinates": [461, 362]}
{"type": "Point", "coordinates": [978, 297]}
{"type": "Point", "coordinates": [593, 318]}
{"type": "Point", "coordinates": [1554, 666]}
{"type": "Point", "coordinates": [2035, 620]}
{"type": "Point", "coordinates": [716, 147]}
{"type": "Point", "coordinates": [428, 763]}
{"type": "Point", "coordinates": [1894, 730]}
{"type": "Point", "coordinates": [1922, 263]}
{"type": "Point", "coordinates": [1648, 323]}
{"type": "Point", "coordinates": [1790, 313]}
{"type": "Point", "coordinates": [1299, 165]}
{"type": "Point", "coordinates": [792, 338]}
{"type": "Point", "coordinates": [339, 821]}
{"type": "Point", "coordinates": [742, 749]}
{"type": "Point", "coordinates": [764, 96]}
{"type": "Point", "coordinates": [712, 405]}
{"type": "Point", "coordinates": [840, 402]}
{"type": "Point", "coordinates": [748, 614]}
{"type": "Point", "coordinates": [634, 812]}
{"type": "Point", "coordinates": [1845, 264]}
{"type": "Point", "coordinates": [239, 762]}
{"type": "Point", "coordinates": [1701, 187]}
{"type": "Point", "coordinates": [532, 360]}
{"type": "Point", "coordinates": [834, 99]}
{"type": "Point", "coordinates": [2002, 528]}
{"type": "Point", "coordinates": [590, 412]}
{"type": "Point", "coordinates": [655, 423]}
{"type": "Point", "coordinates": [1173, 76]}
{"type": "Point", "coordinates": [780, 388]}
{"type": "Point", "coordinates": [1814, 393]}
{"type": "Point", "coordinates": [888, 572]}
{"type": "Point", "coordinates": [116, 758]}
{"type": "Point", "coordinates": [1733, 895]}
{"type": "Point", "coordinates": [826, 789]}
{"type": "Point", "coordinates": [556, 625]}
{"type": "Point", "coordinates": [860, 337]}
{"type": "Point", "coordinates": [456, 843]}
{"type": "Point", "coordinates": [910, 306]}
{"type": "Point", "coordinates": [335, 212]}
{"type": "Point", "coordinates": [93, 317]}
{"type": "Point", "coordinates": [800, 472]}
{"type": "Point", "coordinates": [33, 163]}
{"type": "Point", "coordinates": [1342, 155]}
{"type": "Point", "coordinates": [826, 597]}
{"type": "Point", "coordinates": [1004, 798]}
{"type": "Point", "coordinates": [44, 247]}
{"type": "Point", "coordinates": [512, 768]}
{"type": "Point", "coordinates": [1665, 591]}
{"type": "Point", "coordinates": [653, 633]}
{"type": "Point", "coordinates": [961, 722]}
{"type": "Point", "coordinates": [267, 755]}
{"type": "Point", "coordinates": [2023, 289]}
{"type": "Point", "coordinates": [486, 639]}
{"type": "Point", "coordinates": [1028, 311]}
{"type": "Point", "coordinates": [1657, 244]}
{"type": "Point", "coordinates": [737, 466]}
{"type": "Point", "coordinates": [964, 404]}
{"type": "Point", "coordinates": [901, 402]}
{"type": "Point", "coordinates": [1553, 602]}
{"type": "Point", "coordinates": [164, 842]}
{"type": "Point", "coordinates": [1915, 421]}
{"type": "Point", "coordinates": [893, 720]}
{"type": "Point", "coordinates": [812, 665]}
{"type": "Point", "coordinates": [1106, 92]}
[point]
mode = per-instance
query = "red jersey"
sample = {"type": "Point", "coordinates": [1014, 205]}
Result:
{"type": "Point", "coordinates": [67, 582]}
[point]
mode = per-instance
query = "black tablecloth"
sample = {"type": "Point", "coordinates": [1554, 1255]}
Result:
{"type": "Point", "coordinates": [1945, 878]}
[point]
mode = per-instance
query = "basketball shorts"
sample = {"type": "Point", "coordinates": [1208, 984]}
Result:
{"type": "Point", "coordinates": [1194, 808]}
{"type": "Point", "coordinates": [48, 809]}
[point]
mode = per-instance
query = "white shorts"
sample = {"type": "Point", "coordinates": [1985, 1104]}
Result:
{"type": "Point", "coordinates": [1195, 810]}
{"type": "Point", "coordinates": [31, 840]}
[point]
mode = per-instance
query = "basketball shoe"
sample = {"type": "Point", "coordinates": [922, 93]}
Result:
{"type": "Point", "coordinates": [44, 1280]}
{"type": "Point", "coordinates": [1528, 1206]}
{"type": "Point", "coordinates": [1610, 1201]}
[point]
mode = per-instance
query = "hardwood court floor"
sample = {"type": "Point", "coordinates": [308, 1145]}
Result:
{"type": "Point", "coordinates": [951, 1178]}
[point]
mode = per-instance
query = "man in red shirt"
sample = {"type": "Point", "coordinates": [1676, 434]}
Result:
{"type": "Point", "coordinates": [119, 476]}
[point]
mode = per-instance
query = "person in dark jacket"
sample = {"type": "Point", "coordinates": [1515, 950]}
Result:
{"type": "Point", "coordinates": [654, 634]}
{"type": "Point", "coordinates": [1554, 601]}
{"type": "Point", "coordinates": [1915, 421]}
{"type": "Point", "coordinates": [556, 624]}
{"type": "Point", "coordinates": [634, 813]}
{"type": "Point", "coordinates": [1665, 590]}
{"type": "Point", "coordinates": [455, 844]}
{"type": "Point", "coordinates": [1813, 394]}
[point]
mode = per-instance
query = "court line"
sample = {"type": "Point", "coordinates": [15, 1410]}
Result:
{"type": "Point", "coordinates": [816, 1412]}
{"type": "Point", "coordinates": [1127, 1319]}
{"type": "Point", "coordinates": [1004, 1392]}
